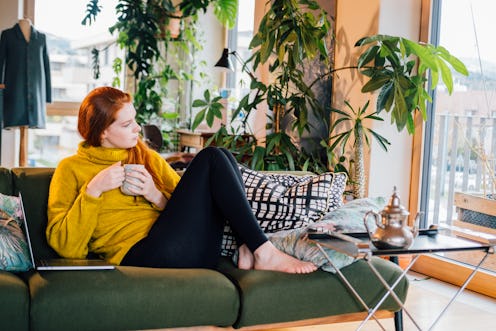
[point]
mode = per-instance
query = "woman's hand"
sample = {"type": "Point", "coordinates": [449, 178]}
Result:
{"type": "Point", "coordinates": [106, 180]}
{"type": "Point", "coordinates": [145, 186]}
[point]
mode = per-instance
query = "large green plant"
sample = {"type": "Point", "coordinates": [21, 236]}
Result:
{"type": "Point", "coordinates": [291, 35]}
{"type": "Point", "coordinates": [396, 68]}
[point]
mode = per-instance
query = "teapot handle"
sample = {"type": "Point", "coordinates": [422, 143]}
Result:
{"type": "Point", "coordinates": [416, 224]}
{"type": "Point", "coordinates": [376, 217]}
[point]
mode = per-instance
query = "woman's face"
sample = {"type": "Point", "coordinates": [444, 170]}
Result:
{"type": "Point", "coordinates": [124, 131]}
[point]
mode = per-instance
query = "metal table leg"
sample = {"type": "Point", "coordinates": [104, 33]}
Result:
{"type": "Point", "coordinates": [460, 290]}
{"type": "Point", "coordinates": [390, 292]}
{"type": "Point", "coordinates": [398, 320]}
{"type": "Point", "coordinates": [355, 293]}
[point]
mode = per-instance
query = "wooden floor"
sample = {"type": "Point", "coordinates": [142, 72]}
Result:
{"type": "Point", "coordinates": [426, 299]}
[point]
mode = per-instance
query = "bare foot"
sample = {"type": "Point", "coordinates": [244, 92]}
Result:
{"type": "Point", "coordinates": [246, 259]}
{"type": "Point", "coordinates": [268, 257]}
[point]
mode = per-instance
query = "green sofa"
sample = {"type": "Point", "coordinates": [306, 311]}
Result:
{"type": "Point", "coordinates": [130, 298]}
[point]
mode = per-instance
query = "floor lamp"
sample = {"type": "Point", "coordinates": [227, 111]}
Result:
{"type": "Point", "coordinates": [225, 62]}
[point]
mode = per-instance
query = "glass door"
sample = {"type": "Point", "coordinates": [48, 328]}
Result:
{"type": "Point", "coordinates": [459, 182]}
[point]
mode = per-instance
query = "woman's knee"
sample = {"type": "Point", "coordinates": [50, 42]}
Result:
{"type": "Point", "coordinates": [209, 150]}
{"type": "Point", "coordinates": [207, 155]}
{"type": "Point", "coordinates": [217, 156]}
{"type": "Point", "coordinates": [216, 152]}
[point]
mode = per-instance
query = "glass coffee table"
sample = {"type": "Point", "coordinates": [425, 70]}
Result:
{"type": "Point", "coordinates": [429, 241]}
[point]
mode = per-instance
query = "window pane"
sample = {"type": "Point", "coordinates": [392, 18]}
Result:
{"type": "Point", "coordinates": [464, 138]}
{"type": "Point", "coordinates": [238, 82]}
{"type": "Point", "coordinates": [70, 47]}
{"type": "Point", "coordinates": [244, 36]}
{"type": "Point", "coordinates": [70, 43]}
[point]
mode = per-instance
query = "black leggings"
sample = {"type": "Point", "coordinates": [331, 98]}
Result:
{"type": "Point", "coordinates": [188, 233]}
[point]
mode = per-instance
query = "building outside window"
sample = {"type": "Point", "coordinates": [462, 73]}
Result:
{"type": "Point", "coordinates": [69, 46]}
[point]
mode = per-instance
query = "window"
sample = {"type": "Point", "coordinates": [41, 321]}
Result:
{"type": "Point", "coordinates": [239, 38]}
{"type": "Point", "coordinates": [69, 47]}
{"type": "Point", "coordinates": [460, 155]}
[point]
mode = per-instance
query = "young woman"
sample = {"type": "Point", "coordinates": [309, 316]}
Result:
{"type": "Point", "coordinates": [172, 221]}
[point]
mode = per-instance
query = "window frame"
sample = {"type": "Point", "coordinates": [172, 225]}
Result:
{"type": "Point", "coordinates": [436, 266]}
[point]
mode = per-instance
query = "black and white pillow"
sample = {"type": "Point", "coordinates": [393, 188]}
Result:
{"type": "Point", "coordinates": [282, 201]}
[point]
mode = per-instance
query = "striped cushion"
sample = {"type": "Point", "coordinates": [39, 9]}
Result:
{"type": "Point", "coordinates": [283, 201]}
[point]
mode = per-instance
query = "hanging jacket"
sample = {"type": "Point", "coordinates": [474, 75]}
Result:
{"type": "Point", "coordinates": [25, 71]}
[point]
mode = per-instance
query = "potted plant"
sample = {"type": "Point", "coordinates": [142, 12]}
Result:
{"type": "Point", "coordinates": [360, 135]}
{"type": "Point", "coordinates": [290, 36]}
{"type": "Point", "coordinates": [150, 49]}
{"type": "Point", "coordinates": [396, 67]}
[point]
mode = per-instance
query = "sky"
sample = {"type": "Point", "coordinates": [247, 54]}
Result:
{"type": "Point", "coordinates": [63, 18]}
{"type": "Point", "coordinates": [460, 40]}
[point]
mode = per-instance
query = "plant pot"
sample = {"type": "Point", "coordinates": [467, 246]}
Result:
{"type": "Point", "coordinates": [476, 209]}
{"type": "Point", "coordinates": [172, 28]}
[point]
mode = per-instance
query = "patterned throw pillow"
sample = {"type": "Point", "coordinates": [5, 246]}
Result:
{"type": "Point", "coordinates": [282, 201]}
{"type": "Point", "coordinates": [349, 217]}
{"type": "Point", "coordinates": [14, 253]}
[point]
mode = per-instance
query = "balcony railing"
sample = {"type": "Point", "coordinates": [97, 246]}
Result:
{"type": "Point", "coordinates": [463, 160]}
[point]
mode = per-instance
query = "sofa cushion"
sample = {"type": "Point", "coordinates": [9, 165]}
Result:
{"type": "Point", "coordinates": [282, 201]}
{"type": "Point", "coordinates": [347, 218]}
{"type": "Point", "coordinates": [131, 298]}
{"type": "Point", "coordinates": [6, 181]}
{"type": "Point", "coordinates": [274, 297]}
{"type": "Point", "coordinates": [350, 216]}
{"type": "Point", "coordinates": [285, 201]}
{"type": "Point", "coordinates": [14, 303]}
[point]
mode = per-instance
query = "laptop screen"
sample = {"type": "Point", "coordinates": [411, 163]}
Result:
{"type": "Point", "coordinates": [28, 238]}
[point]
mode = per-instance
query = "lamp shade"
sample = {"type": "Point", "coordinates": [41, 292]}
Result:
{"type": "Point", "coordinates": [225, 61]}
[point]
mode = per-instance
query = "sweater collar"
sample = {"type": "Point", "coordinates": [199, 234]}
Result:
{"type": "Point", "coordinates": [102, 155]}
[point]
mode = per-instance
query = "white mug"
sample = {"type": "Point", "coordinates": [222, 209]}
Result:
{"type": "Point", "coordinates": [128, 181]}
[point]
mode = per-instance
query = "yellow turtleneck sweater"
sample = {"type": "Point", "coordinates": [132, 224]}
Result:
{"type": "Point", "coordinates": [108, 225]}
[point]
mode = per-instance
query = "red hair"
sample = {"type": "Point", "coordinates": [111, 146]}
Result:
{"type": "Point", "coordinates": [98, 111]}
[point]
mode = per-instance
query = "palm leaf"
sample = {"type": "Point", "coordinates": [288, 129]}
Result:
{"type": "Point", "coordinates": [226, 12]}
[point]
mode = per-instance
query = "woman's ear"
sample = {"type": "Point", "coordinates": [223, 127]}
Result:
{"type": "Point", "coordinates": [103, 136]}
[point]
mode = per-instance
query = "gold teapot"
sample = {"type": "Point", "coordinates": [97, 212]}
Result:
{"type": "Point", "coordinates": [392, 228]}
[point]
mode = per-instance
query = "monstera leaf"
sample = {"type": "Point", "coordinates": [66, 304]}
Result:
{"type": "Point", "coordinates": [397, 68]}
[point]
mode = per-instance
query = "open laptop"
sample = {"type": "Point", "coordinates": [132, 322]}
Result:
{"type": "Point", "coordinates": [61, 264]}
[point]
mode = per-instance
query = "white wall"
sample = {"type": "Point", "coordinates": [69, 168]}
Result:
{"type": "Point", "coordinates": [214, 37]}
{"type": "Point", "coordinates": [10, 12]}
{"type": "Point", "coordinates": [356, 19]}
{"type": "Point", "coordinates": [392, 168]}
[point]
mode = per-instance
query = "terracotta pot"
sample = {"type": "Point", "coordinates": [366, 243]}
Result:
{"type": "Point", "coordinates": [172, 27]}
